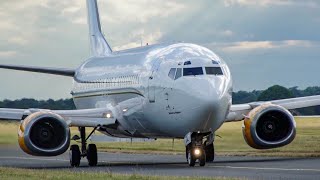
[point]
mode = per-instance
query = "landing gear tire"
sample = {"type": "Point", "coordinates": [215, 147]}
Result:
{"type": "Point", "coordinates": [75, 156]}
{"type": "Point", "coordinates": [202, 158]}
{"type": "Point", "coordinates": [92, 155]}
{"type": "Point", "coordinates": [209, 150]}
{"type": "Point", "coordinates": [191, 159]}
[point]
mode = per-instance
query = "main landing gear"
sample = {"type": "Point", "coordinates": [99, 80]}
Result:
{"type": "Point", "coordinates": [196, 150]}
{"type": "Point", "coordinates": [90, 152]}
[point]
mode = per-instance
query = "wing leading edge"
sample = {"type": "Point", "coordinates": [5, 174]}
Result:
{"type": "Point", "coordinates": [238, 112]}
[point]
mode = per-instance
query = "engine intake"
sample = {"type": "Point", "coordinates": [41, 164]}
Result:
{"type": "Point", "coordinates": [44, 134]}
{"type": "Point", "coordinates": [269, 126]}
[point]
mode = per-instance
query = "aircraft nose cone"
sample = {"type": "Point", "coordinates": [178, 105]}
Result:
{"type": "Point", "coordinates": [211, 95]}
{"type": "Point", "coordinates": [210, 91]}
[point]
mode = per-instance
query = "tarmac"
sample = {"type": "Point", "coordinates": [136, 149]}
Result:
{"type": "Point", "coordinates": [172, 165]}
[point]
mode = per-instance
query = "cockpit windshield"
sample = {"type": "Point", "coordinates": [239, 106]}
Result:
{"type": "Point", "coordinates": [214, 71]}
{"type": "Point", "coordinates": [192, 71]}
{"type": "Point", "coordinates": [176, 73]}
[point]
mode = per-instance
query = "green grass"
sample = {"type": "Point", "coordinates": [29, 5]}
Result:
{"type": "Point", "coordinates": [8, 133]}
{"type": "Point", "coordinates": [306, 143]}
{"type": "Point", "coordinates": [17, 174]}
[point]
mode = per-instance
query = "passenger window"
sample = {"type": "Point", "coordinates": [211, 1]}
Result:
{"type": "Point", "coordinates": [192, 71]}
{"type": "Point", "coordinates": [178, 74]}
{"type": "Point", "coordinates": [172, 72]}
{"type": "Point", "coordinates": [214, 71]}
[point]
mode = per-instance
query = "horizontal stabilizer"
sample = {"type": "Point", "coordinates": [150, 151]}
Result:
{"type": "Point", "coordinates": [46, 70]}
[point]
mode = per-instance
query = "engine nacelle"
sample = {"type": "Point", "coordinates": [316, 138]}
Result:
{"type": "Point", "coordinates": [44, 134]}
{"type": "Point", "coordinates": [269, 126]}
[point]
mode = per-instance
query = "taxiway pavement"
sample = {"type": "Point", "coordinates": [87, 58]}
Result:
{"type": "Point", "coordinates": [173, 165]}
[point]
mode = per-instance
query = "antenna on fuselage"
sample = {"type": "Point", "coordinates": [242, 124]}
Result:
{"type": "Point", "coordinates": [98, 44]}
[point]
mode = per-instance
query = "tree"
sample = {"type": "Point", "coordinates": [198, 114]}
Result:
{"type": "Point", "coordinates": [310, 91]}
{"type": "Point", "coordinates": [243, 97]}
{"type": "Point", "coordinates": [296, 92]}
{"type": "Point", "coordinates": [274, 93]}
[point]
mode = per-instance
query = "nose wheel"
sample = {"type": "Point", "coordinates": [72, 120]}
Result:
{"type": "Point", "coordinates": [195, 154]}
{"type": "Point", "coordinates": [90, 152]}
{"type": "Point", "coordinates": [197, 151]}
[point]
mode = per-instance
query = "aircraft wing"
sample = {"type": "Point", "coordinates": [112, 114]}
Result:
{"type": "Point", "coordinates": [46, 70]}
{"type": "Point", "coordinates": [239, 111]}
{"type": "Point", "coordinates": [83, 117]}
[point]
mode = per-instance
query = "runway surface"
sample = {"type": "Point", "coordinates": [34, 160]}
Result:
{"type": "Point", "coordinates": [173, 165]}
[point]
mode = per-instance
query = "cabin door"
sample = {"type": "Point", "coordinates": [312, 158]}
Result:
{"type": "Point", "coordinates": [152, 84]}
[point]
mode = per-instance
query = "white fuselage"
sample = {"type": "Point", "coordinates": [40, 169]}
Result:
{"type": "Point", "coordinates": [170, 106]}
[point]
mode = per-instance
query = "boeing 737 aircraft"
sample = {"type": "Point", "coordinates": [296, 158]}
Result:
{"type": "Point", "coordinates": [178, 90]}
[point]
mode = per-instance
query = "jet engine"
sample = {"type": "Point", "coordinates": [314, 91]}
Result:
{"type": "Point", "coordinates": [269, 126]}
{"type": "Point", "coordinates": [44, 134]}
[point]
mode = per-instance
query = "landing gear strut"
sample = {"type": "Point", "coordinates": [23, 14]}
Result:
{"type": "Point", "coordinates": [197, 150]}
{"type": "Point", "coordinates": [90, 152]}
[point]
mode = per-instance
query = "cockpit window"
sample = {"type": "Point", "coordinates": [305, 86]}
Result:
{"type": "Point", "coordinates": [214, 71]}
{"type": "Point", "coordinates": [192, 71]}
{"type": "Point", "coordinates": [178, 73]}
{"type": "Point", "coordinates": [214, 62]}
{"type": "Point", "coordinates": [172, 72]}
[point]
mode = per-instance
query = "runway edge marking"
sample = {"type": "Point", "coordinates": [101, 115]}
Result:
{"type": "Point", "coordinates": [39, 159]}
{"type": "Point", "coordinates": [265, 168]}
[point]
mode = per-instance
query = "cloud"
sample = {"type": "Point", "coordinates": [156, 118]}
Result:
{"type": "Point", "coordinates": [308, 3]}
{"type": "Point", "coordinates": [18, 41]}
{"type": "Point", "coordinates": [227, 33]}
{"type": "Point", "coordinates": [119, 11]}
{"type": "Point", "coordinates": [8, 54]}
{"type": "Point", "coordinates": [141, 11]}
{"type": "Point", "coordinates": [145, 38]}
{"type": "Point", "coordinates": [258, 45]}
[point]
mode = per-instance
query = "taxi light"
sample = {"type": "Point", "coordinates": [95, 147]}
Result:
{"type": "Point", "coordinates": [197, 152]}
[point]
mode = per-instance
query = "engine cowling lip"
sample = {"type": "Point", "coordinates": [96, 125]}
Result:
{"type": "Point", "coordinates": [262, 143]}
{"type": "Point", "coordinates": [36, 117]}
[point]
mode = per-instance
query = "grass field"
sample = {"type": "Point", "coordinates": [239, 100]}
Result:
{"type": "Point", "coordinates": [306, 143]}
{"type": "Point", "coordinates": [18, 174]}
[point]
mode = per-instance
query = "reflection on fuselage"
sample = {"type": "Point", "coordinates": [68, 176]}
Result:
{"type": "Point", "coordinates": [107, 84]}
{"type": "Point", "coordinates": [186, 85]}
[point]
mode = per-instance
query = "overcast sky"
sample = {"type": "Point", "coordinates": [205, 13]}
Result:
{"type": "Point", "coordinates": [265, 42]}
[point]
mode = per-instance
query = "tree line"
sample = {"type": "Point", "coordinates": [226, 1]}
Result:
{"type": "Point", "coordinates": [272, 93]}
{"type": "Point", "coordinates": [279, 92]}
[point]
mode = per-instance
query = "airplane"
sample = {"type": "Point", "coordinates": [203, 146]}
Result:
{"type": "Point", "coordinates": [175, 90]}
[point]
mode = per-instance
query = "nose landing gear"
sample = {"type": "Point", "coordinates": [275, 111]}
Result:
{"type": "Point", "coordinates": [196, 150]}
{"type": "Point", "coordinates": [90, 152]}
{"type": "Point", "coordinates": [196, 153]}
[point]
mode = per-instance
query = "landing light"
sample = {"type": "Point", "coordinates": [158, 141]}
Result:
{"type": "Point", "coordinates": [108, 115]}
{"type": "Point", "coordinates": [125, 110]}
{"type": "Point", "coordinates": [197, 152]}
